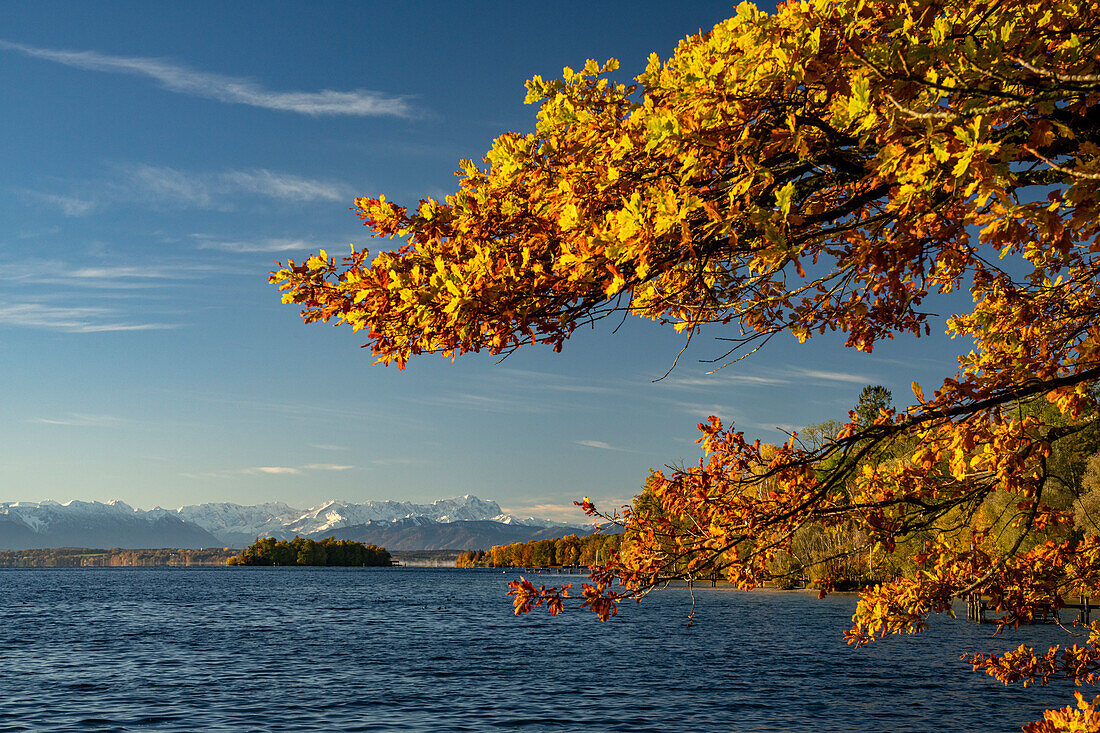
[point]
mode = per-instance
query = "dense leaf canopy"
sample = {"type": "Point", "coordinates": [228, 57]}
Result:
{"type": "Point", "coordinates": [835, 166]}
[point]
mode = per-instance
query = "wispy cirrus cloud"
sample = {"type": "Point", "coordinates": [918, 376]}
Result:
{"type": "Point", "coordinates": [776, 379]}
{"type": "Point", "coordinates": [265, 471]}
{"type": "Point", "coordinates": [170, 188]}
{"type": "Point", "coordinates": [81, 420]}
{"type": "Point", "coordinates": [70, 206]}
{"type": "Point", "coordinates": [32, 273]}
{"type": "Point", "coordinates": [484, 403]}
{"type": "Point", "coordinates": [547, 381]}
{"type": "Point", "coordinates": [828, 376]}
{"type": "Point", "coordinates": [273, 470]}
{"type": "Point", "coordinates": [699, 411]}
{"type": "Point", "coordinates": [602, 446]}
{"type": "Point", "coordinates": [55, 295]}
{"type": "Point", "coordinates": [203, 475]}
{"type": "Point", "coordinates": [523, 390]}
{"type": "Point", "coordinates": [295, 470]}
{"type": "Point", "coordinates": [124, 273]}
{"type": "Point", "coordinates": [76, 319]}
{"type": "Point", "coordinates": [272, 184]}
{"type": "Point", "coordinates": [161, 184]}
{"type": "Point", "coordinates": [570, 512]}
{"type": "Point", "coordinates": [255, 245]}
{"type": "Point", "coordinates": [556, 512]}
{"type": "Point", "coordinates": [230, 89]}
{"type": "Point", "coordinates": [209, 190]}
{"type": "Point", "coordinates": [721, 380]}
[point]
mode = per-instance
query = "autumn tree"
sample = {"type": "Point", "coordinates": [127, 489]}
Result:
{"type": "Point", "coordinates": [567, 550]}
{"type": "Point", "coordinates": [500, 556]}
{"type": "Point", "coordinates": [542, 553]}
{"type": "Point", "coordinates": [837, 166]}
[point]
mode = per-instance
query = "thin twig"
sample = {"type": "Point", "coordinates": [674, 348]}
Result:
{"type": "Point", "coordinates": [686, 344]}
{"type": "Point", "coordinates": [913, 114]}
{"type": "Point", "coordinates": [1081, 78]}
{"type": "Point", "coordinates": [1060, 169]}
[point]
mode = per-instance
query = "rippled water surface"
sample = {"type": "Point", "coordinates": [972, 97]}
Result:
{"type": "Point", "coordinates": [333, 649]}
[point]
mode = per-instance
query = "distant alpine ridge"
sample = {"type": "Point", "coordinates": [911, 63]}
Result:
{"type": "Point", "coordinates": [461, 523]}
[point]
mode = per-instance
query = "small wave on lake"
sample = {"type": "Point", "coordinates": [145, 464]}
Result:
{"type": "Point", "coordinates": [411, 649]}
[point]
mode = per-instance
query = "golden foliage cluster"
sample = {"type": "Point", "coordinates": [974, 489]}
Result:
{"type": "Point", "coordinates": [835, 166]}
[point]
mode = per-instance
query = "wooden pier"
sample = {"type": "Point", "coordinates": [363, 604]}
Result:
{"type": "Point", "coordinates": [977, 606]}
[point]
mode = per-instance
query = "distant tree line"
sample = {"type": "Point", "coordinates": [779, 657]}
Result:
{"type": "Point", "coordinates": [302, 551]}
{"type": "Point", "coordinates": [564, 552]}
{"type": "Point", "coordinates": [76, 557]}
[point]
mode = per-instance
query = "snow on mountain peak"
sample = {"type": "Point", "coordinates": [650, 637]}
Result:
{"type": "Point", "coordinates": [237, 523]}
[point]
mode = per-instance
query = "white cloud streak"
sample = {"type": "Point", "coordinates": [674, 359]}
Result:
{"type": "Point", "coordinates": [169, 188]}
{"type": "Point", "coordinates": [547, 381]}
{"type": "Point", "coordinates": [273, 470]}
{"type": "Point", "coordinates": [81, 319]}
{"type": "Point", "coordinates": [70, 206]}
{"type": "Point", "coordinates": [32, 273]}
{"type": "Point", "coordinates": [205, 475]}
{"type": "Point", "coordinates": [602, 445]}
{"type": "Point", "coordinates": [783, 377]}
{"type": "Point", "coordinates": [557, 512]}
{"type": "Point", "coordinates": [720, 380]}
{"type": "Point", "coordinates": [294, 470]}
{"type": "Point", "coordinates": [230, 89]}
{"type": "Point", "coordinates": [259, 245]}
{"type": "Point", "coordinates": [77, 419]}
{"type": "Point", "coordinates": [832, 376]}
{"type": "Point", "coordinates": [122, 273]}
{"type": "Point", "coordinates": [569, 512]}
{"type": "Point", "coordinates": [484, 403]}
{"type": "Point", "coordinates": [181, 189]}
{"type": "Point", "coordinates": [263, 182]}
{"type": "Point", "coordinates": [700, 409]}
{"type": "Point", "coordinates": [160, 183]}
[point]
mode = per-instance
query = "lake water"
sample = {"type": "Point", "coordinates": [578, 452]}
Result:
{"type": "Point", "coordinates": [335, 649]}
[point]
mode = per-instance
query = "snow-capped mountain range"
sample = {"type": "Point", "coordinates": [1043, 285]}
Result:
{"type": "Point", "coordinates": [24, 525]}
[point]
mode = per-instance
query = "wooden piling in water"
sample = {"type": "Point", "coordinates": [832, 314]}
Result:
{"type": "Point", "coordinates": [976, 608]}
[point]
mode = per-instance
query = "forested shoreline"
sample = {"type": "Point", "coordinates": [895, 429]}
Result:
{"type": "Point", "coordinates": [569, 551]}
{"type": "Point", "coordinates": [85, 557]}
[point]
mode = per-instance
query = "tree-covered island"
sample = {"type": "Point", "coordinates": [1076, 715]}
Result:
{"type": "Point", "coordinates": [301, 551]}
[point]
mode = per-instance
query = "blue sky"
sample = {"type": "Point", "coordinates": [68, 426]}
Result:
{"type": "Point", "coordinates": [157, 159]}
